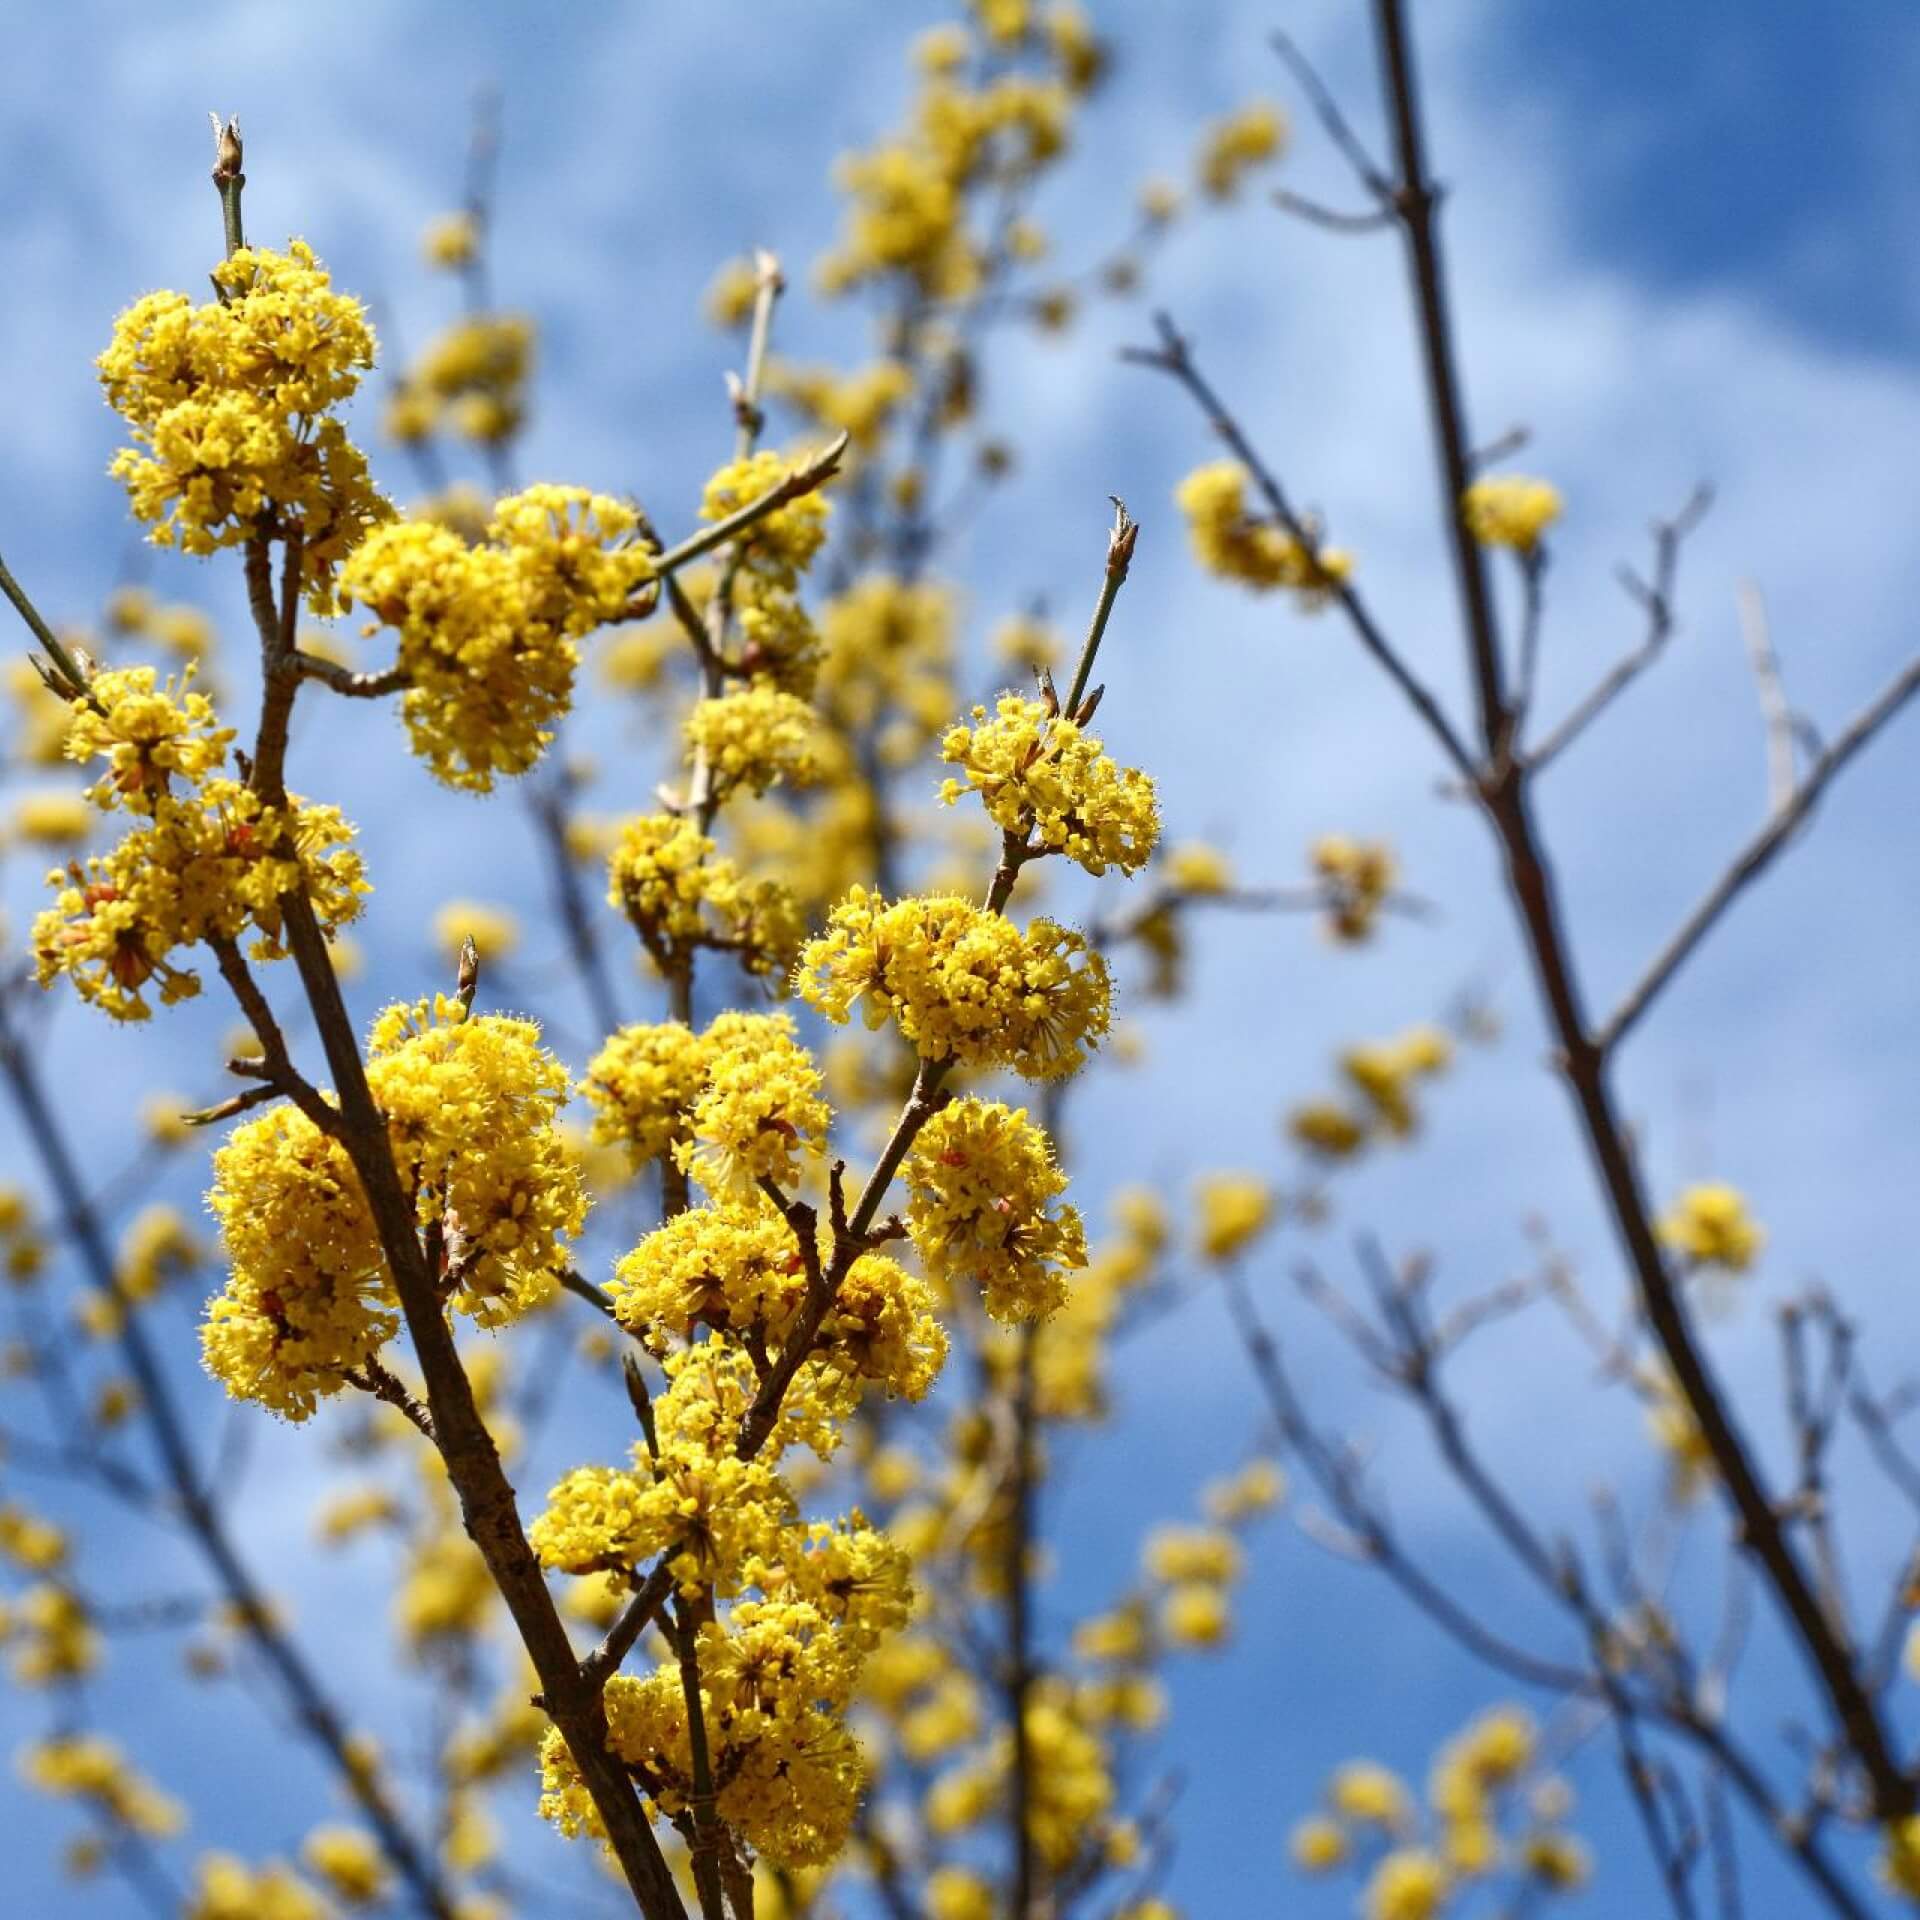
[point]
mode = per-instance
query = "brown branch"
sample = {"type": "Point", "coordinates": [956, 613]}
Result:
{"type": "Point", "coordinates": [356, 686]}
{"type": "Point", "coordinates": [1583, 1060]}
{"type": "Point", "coordinates": [796, 482]}
{"type": "Point", "coordinates": [1175, 357]}
{"type": "Point", "coordinates": [1657, 601]}
{"type": "Point", "coordinates": [1758, 853]}
{"type": "Point", "coordinates": [312, 1710]}
{"type": "Point", "coordinates": [488, 1508]}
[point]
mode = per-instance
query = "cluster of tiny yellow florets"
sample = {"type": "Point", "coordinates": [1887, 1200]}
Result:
{"type": "Point", "coordinates": [735, 1267]}
{"type": "Point", "coordinates": [1711, 1227]}
{"type": "Point", "coordinates": [642, 1085]}
{"type": "Point", "coordinates": [91, 1768]}
{"type": "Point", "coordinates": [489, 634]}
{"type": "Point", "coordinates": [1491, 1810]}
{"type": "Point", "coordinates": [211, 861]}
{"type": "Point", "coordinates": [1510, 510]}
{"type": "Point", "coordinates": [682, 894]}
{"type": "Point", "coordinates": [1235, 1210]}
{"type": "Point", "coordinates": [981, 1183]}
{"type": "Point", "coordinates": [1383, 1075]}
{"type": "Point", "coordinates": [1233, 543]}
{"type": "Point", "coordinates": [809, 1602]}
{"type": "Point", "coordinates": [231, 404]}
{"type": "Point", "coordinates": [961, 983]}
{"type": "Point", "coordinates": [1044, 781]}
{"type": "Point", "coordinates": [759, 1107]}
{"type": "Point", "coordinates": [1357, 876]}
{"type": "Point", "coordinates": [780, 545]}
{"type": "Point", "coordinates": [470, 1104]}
{"type": "Point", "coordinates": [471, 378]}
{"type": "Point", "coordinates": [754, 739]}
{"type": "Point", "coordinates": [1235, 146]}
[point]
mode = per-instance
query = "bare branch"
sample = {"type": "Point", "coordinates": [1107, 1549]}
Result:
{"type": "Point", "coordinates": [1758, 853]}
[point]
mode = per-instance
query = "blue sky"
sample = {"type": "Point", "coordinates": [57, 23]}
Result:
{"type": "Point", "coordinates": [1681, 246]}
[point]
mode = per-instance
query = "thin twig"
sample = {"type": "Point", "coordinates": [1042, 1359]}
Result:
{"type": "Point", "coordinates": [1758, 853]}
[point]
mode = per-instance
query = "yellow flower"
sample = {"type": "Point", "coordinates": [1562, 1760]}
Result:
{"type": "Point", "coordinates": [780, 545]}
{"type": "Point", "coordinates": [1230, 542]}
{"type": "Point", "coordinates": [451, 240]}
{"type": "Point", "coordinates": [1236, 145]}
{"type": "Point", "coordinates": [1365, 1791]}
{"type": "Point", "coordinates": [643, 1084]}
{"type": "Point", "coordinates": [981, 1182]}
{"type": "Point", "coordinates": [230, 404]}
{"type": "Point", "coordinates": [1044, 781]}
{"type": "Point", "coordinates": [961, 983]}
{"type": "Point", "coordinates": [1357, 876]}
{"type": "Point", "coordinates": [1318, 1844]}
{"type": "Point", "coordinates": [1711, 1226]}
{"type": "Point", "coordinates": [1556, 1860]}
{"type": "Point", "coordinates": [208, 866]}
{"type": "Point", "coordinates": [1510, 510]}
{"type": "Point", "coordinates": [470, 1105]}
{"type": "Point", "coordinates": [1195, 1614]}
{"type": "Point", "coordinates": [92, 1768]}
{"type": "Point", "coordinates": [1235, 1210]}
{"type": "Point", "coordinates": [759, 1108]}
{"type": "Point", "coordinates": [488, 634]}
{"type": "Point", "coordinates": [754, 739]}
{"type": "Point", "coordinates": [54, 817]}
{"type": "Point", "coordinates": [957, 1893]}
{"type": "Point", "coordinates": [348, 1861]}
{"type": "Point", "coordinates": [1409, 1884]}
{"type": "Point", "coordinates": [226, 1889]}
{"type": "Point", "coordinates": [1182, 1556]}
{"type": "Point", "coordinates": [681, 894]}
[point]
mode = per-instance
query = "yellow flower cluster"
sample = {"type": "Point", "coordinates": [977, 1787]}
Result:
{"type": "Point", "coordinates": [451, 240]}
{"type": "Point", "coordinates": [488, 634]}
{"type": "Point", "coordinates": [1481, 1823]}
{"type": "Point", "coordinates": [860, 404]}
{"type": "Point", "coordinates": [54, 1638]}
{"type": "Point", "coordinates": [1043, 780]}
{"type": "Point", "coordinates": [1510, 510]}
{"type": "Point", "coordinates": [734, 1267]}
{"type": "Point", "coordinates": [90, 1767]}
{"type": "Point", "coordinates": [1232, 543]}
{"type": "Point", "coordinates": [681, 895]}
{"type": "Point", "coordinates": [1235, 1210]}
{"type": "Point", "coordinates": [212, 860]}
{"type": "Point", "coordinates": [1071, 1787]}
{"type": "Point", "coordinates": [226, 1888]}
{"type": "Point", "coordinates": [1385, 1074]}
{"type": "Point", "coordinates": [470, 1106]}
{"type": "Point", "coordinates": [961, 983]}
{"type": "Point", "coordinates": [981, 1182]}
{"type": "Point", "coordinates": [308, 1298]}
{"type": "Point", "coordinates": [754, 739]}
{"type": "Point", "coordinates": [149, 734]}
{"type": "Point", "coordinates": [348, 1862]}
{"type": "Point", "coordinates": [758, 1109]}
{"type": "Point", "coordinates": [1356, 877]}
{"type": "Point", "coordinates": [809, 1603]}
{"type": "Point", "coordinates": [1710, 1226]}
{"type": "Point", "coordinates": [908, 195]}
{"type": "Point", "coordinates": [1239, 144]}
{"type": "Point", "coordinates": [779, 546]}
{"type": "Point", "coordinates": [472, 378]}
{"type": "Point", "coordinates": [230, 406]}
{"type": "Point", "coordinates": [643, 1084]}
{"type": "Point", "coordinates": [887, 666]}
